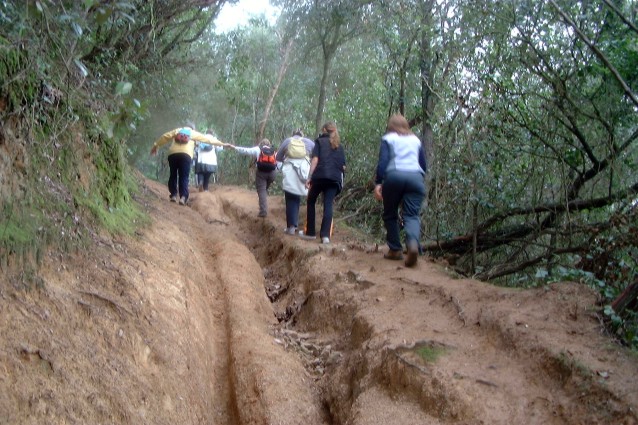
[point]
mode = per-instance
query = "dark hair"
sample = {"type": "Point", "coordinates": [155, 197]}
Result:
{"type": "Point", "coordinates": [298, 132]}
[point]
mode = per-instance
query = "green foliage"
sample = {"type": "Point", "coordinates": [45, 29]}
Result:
{"type": "Point", "coordinates": [19, 81]}
{"type": "Point", "coordinates": [72, 174]}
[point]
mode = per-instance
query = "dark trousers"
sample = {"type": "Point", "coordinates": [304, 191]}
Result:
{"type": "Point", "coordinates": [292, 209]}
{"type": "Point", "coordinates": [405, 190]}
{"type": "Point", "coordinates": [263, 180]}
{"type": "Point", "coordinates": [329, 189]}
{"type": "Point", "coordinates": [180, 169]}
{"type": "Point", "coordinates": [203, 179]}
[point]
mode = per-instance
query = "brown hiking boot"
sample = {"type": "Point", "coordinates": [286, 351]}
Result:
{"type": "Point", "coordinates": [413, 253]}
{"type": "Point", "coordinates": [393, 255]}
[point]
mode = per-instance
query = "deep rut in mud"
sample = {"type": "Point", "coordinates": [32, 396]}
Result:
{"type": "Point", "coordinates": [336, 308]}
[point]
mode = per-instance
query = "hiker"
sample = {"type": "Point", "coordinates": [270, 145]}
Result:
{"type": "Point", "coordinates": [327, 166]}
{"type": "Point", "coordinates": [265, 157]}
{"type": "Point", "coordinates": [399, 183]}
{"type": "Point", "coordinates": [180, 156]}
{"type": "Point", "coordinates": [294, 154]}
{"type": "Point", "coordinates": [206, 163]}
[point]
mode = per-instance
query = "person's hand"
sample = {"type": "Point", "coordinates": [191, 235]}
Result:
{"type": "Point", "coordinates": [153, 150]}
{"type": "Point", "coordinates": [308, 184]}
{"type": "Point", "coordinates": [377, 192]}
{"type": "Point", "coordinates": [229, 145]}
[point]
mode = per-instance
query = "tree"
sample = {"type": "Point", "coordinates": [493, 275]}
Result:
{"type": "Point", "coordinates": [329, 24]}
{"type": "Point", "coordinates": [561, 116]}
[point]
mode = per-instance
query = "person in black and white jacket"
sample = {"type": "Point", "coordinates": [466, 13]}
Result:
{"type": "Point", "coordinates": [206, 165]}
{"type": "Point", "coordinates": [400, 183]}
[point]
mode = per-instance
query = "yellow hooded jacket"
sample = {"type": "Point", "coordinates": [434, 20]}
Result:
{"type": "Point", "coordinates": [187, 148]}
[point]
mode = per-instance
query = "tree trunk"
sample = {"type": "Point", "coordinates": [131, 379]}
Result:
{"type": "Point", "coordinates": [327, 59]}
{"type": "Point", "coordinates": [285, 62]}
{"type": "Point", "coordinates": [426, 64]}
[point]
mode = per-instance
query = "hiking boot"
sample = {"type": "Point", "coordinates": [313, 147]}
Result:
{"type": "Point", "coordinates": [173, 198]}
{"type": "Point", "coordinates": [307, 237]}
{"type": "Point", "coordinates": [393, 255]}
{"type": "Point", "coordinates": [182, 200]}
{"type": "Point", "coordinates": [413, 253]}
{"type": "Point", "coordinates": [262, 214]}
{"type": "Point", "coordinates": [325, 240]}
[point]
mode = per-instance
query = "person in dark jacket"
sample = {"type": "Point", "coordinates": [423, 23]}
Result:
{"type": "Point", "coordinates": [327, 166]}
{"type": "Point", "coordinates": [400, 184]}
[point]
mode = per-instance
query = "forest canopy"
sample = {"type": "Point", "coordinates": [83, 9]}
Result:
{"type": "Point", "coordinates": [527, 110]}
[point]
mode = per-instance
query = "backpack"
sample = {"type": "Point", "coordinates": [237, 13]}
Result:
{"type": "Point", "coordinates": [205, 147]}
{"type": "Point", "coordinates": [266, 160]}
{"type": "Point", "coordinates": [183, 136]}
{"type": "Point", "coordinates": [296, 148]}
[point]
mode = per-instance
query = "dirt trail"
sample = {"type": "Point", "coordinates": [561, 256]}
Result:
{"type": "Point", "coordinates": [212, 315]}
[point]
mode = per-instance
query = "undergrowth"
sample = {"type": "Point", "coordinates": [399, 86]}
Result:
{"type": "Point", "coordinates": [63, 177]}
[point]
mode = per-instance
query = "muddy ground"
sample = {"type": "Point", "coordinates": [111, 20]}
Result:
{"type": "Point", "coordinates": [211, 315]}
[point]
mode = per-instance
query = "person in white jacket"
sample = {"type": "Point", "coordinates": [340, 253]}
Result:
{"type": "Point", "coordinates": [206, 165]}
{"type": "Point", "coordinates": [294, 154]}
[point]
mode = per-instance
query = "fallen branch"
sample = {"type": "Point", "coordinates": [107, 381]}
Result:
{"type": "Point", "coordinates": [628, 299]}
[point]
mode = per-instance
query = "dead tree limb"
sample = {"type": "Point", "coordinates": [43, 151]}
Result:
{"type": "Point", "coordinates": [627, 300]}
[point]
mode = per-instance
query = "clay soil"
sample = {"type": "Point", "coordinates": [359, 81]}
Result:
{"type": "Point", "coordinates": [211, 315]}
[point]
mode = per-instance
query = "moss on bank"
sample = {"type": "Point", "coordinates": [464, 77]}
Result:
{"type": "Point", "coordinates": [62, 178]}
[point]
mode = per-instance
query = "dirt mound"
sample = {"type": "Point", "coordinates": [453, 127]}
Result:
{"type": "Point", "coordinates": [213, 315]}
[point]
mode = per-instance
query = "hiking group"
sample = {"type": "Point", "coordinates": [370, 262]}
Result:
{"type": "Point", "coordinates": [180, 157]}
{"type": "Point", "coordinates": [312, 168]}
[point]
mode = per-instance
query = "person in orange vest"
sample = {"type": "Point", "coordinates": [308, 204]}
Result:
{"type": "Point", "coordinates": [264, 154]}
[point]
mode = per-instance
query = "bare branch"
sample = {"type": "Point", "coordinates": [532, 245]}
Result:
{"type": "Point", "coordinates": [630, 94]}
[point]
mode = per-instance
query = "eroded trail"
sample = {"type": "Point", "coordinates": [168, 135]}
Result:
{"type": "Point", "coordinates": [214, 316]}
{"type": "Point", "coordinates": [387, 344]}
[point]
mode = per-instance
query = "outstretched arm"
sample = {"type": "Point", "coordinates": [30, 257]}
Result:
{"type": "Point", "coordinates": [252, 151]}
{"type": "Point", "coordinates": [163, 139]}
{"type": "Point", "coordinates": [206, 138]}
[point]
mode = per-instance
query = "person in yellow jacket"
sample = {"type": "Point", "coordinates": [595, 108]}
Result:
{"type": "Point", "coordinates": [180, 158]}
